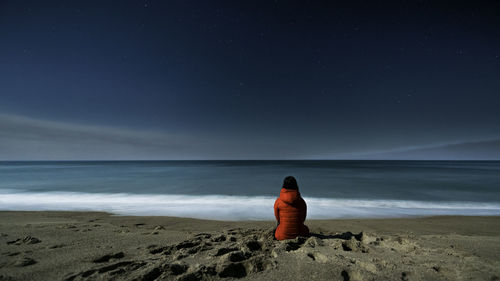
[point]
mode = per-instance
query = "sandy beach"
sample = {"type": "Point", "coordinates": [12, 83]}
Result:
{"type": "Point", "coordinates": [101, 246]}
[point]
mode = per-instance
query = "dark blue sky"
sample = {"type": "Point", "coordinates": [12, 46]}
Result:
{"type": "Point", "coordinates": [259, 79]}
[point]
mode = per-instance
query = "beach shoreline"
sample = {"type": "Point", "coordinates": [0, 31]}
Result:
{"type": "Point", "coordinates": [58, 245]}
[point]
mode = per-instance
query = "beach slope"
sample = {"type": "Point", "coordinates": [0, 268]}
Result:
{"type": "Point", "coordinates": [101, 246]}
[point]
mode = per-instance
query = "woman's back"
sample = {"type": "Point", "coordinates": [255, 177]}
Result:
{"type": "Point", "coordinates": [290, 211]}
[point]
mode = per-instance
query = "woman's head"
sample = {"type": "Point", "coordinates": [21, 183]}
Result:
{"type": "Point", "coordinates": [290, 183]}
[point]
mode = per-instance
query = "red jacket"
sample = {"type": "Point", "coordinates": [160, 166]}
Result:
{"type": "Point", "coordinates": [290, 211]}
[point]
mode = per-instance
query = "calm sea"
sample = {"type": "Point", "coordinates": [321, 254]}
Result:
{"type": "Point", "coordinates": [234, 190]}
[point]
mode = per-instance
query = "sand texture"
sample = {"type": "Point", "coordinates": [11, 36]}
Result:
{"type": "Point", "coordinates": [100, 246]}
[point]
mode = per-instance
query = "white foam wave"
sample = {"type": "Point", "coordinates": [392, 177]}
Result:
{"type": "Point", "coordinates": [224, 207]}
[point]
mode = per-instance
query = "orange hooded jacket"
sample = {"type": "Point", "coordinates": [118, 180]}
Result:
{"type": "Point", "coordinates": [290, 211]}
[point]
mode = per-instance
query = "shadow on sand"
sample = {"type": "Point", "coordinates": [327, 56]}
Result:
{"type": "Point", "coordinates": [344, 236]}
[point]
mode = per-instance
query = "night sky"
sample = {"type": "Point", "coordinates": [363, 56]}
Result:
{"type": "Point", "coordinates": [249, 80]}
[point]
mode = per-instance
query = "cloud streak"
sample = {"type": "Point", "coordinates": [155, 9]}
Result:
{"type": "Point", "coordinates": [24, 138]}
{"type": "Point", "coordinates": [471, 150]}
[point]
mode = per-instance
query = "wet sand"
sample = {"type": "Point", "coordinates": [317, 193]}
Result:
{"type": "Point", "coordinates": [101, 246]}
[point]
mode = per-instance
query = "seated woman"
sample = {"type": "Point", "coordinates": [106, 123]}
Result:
{"type": "Point", "coordinates": [290, 211]}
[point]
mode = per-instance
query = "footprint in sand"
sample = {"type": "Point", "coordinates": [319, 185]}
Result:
{"type": "Point", "coordinates": [354, 245]}
{"type": "Point", "coordinates": [252, 254]}
{"type": "Point", "coordinates": [318, 257]}
{"type": "Point", "coordinates": [25, 240]}
{"type": "Point", "coordinates": [108, 257]}
{"type": "Point", "coordinates": [56, 246]}
{"type": "Point", "coordinates": [24, 261]}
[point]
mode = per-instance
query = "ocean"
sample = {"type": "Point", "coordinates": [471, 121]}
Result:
{"type": "Point", "coordinates": [246, 190]}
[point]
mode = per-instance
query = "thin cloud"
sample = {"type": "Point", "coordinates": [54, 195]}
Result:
{"type": "Point", "coordinates": [23, 138]}
{"type": "Point", "coordinates": [488, 149]}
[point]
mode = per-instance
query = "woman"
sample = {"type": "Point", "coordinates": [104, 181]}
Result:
{"type": "Point", "coordinates": [290, 211]}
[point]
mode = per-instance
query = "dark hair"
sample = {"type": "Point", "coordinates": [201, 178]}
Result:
{"type": "Point", "coordinates": [290, 183]}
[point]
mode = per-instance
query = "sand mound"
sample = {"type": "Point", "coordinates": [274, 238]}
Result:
{"type": "Point", "coordinates": [236, 253]}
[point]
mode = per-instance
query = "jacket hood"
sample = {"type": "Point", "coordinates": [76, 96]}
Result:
{"type": "Point", "coordinates": [289, 196]}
